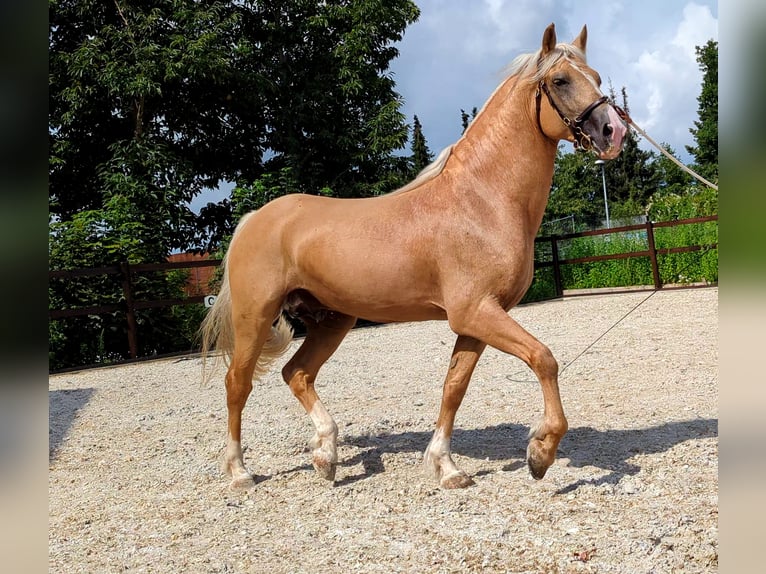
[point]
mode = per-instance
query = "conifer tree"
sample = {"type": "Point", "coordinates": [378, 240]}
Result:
{"type": "Point", "coordinates": [705, 130]}
{"type": "Point", "coordinates": [421, 155]}
{"type": "Point", "coordinates": [466, 119]}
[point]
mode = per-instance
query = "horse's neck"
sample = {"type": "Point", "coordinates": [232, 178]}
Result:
{"type": "Point", "coordinates": [503, 156]}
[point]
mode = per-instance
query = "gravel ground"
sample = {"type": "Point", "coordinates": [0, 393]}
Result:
{"type": "Point", "coordinates": [134, 484]}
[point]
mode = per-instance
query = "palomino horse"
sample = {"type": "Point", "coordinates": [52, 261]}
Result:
{"type": "Point", "coordinates": [457, 243]}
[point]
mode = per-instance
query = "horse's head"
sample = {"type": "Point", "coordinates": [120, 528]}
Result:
{"type": "Point", "coordinates": [574, 108]}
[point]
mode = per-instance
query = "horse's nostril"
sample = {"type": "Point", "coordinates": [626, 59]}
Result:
{"type": "Point", "coordinates": [608, 129]}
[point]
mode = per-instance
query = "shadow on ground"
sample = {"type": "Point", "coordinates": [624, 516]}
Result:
{"type": "Point", "coordinates": [63, 406]}
{"type": "Point", "coordinates": [610, 450]}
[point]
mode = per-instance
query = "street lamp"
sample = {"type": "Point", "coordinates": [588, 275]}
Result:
{"type": "Point", "coordinates": [603, 179]}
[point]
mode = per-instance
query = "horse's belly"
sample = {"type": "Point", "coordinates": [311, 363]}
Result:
{"type": "Point", "coordinates": [377, 305]}
{"type": "Point", "coordinates": [377, 293]}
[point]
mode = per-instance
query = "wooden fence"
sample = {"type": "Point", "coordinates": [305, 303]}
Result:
{"type": "Point", "coordinates": [129, 305]}
{"type": "Point", "coordinates": [651, 251]}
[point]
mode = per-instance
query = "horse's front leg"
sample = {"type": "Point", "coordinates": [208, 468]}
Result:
{"type": "Point", "coordinates": [490, 323]}
{"type": "Point", "coordinates": [437, 458]}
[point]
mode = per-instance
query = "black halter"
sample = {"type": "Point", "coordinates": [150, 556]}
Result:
{"type": "Point", "coordinates": [581, 139]}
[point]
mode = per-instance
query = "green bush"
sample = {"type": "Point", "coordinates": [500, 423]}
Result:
{"type": "Point", "coordinates": [103, 339]}
{"type": "Point", "coordinates": [674, 268]}
{"type": "Point", "coordinates": [695, 202]}
{"type": "Point", "coordinates": [612, 273]}
{"type": "Point", "coordinates": [543, 286]}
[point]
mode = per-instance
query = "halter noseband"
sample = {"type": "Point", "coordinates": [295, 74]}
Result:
{"type": "Point", "coordinates": [581, 139]}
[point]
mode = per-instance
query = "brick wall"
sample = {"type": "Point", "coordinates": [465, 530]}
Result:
{"type": "Point", "coordinates": [197, 284]}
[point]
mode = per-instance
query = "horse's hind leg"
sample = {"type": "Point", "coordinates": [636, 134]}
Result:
{"type": "Point", "coordinates": [250, 335]}
{"type": "Point", "coordinates": [437, 458]}
{"type": "Point", "coordinates": [322, 339]}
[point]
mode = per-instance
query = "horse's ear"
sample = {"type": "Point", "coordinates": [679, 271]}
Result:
{"type": "Point", "coordinates": [549, 39]}
{"type": "Point", "coordinates": [582, 39]}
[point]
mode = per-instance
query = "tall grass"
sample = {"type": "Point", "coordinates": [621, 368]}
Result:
{"type": "Point", "coordinates": [674, 268]}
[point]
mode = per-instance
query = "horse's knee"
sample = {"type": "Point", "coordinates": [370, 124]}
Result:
{"type": "Point", "coordinates": [543, 363]}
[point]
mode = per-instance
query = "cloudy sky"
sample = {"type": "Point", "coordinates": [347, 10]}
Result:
{"type": "Point", "coordinates": [453, 57]}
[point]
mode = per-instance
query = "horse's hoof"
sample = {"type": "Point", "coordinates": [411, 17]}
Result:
{"type": "Point", "coordinates": [325, 468]}
{"type": "Point", "coordinates": [457, 480]}
{"type": "Point", "coordinates": [537, 472]}
{"type": "Point", "coordinates": [244, 482]}
{"type": "Point", "coordinates": [537, 467]}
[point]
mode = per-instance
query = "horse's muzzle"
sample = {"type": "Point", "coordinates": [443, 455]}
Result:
{"type": "Point", "coordinates": [607, 132]}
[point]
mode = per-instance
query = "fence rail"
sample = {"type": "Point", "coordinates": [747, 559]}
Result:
{"type": "Point", "coordinates": [652, 252]}
{"type": "Point", "coordinates": [129, 305]}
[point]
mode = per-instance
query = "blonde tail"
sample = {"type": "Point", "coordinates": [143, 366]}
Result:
{"type": "Point", "coordinates": [217, 331]}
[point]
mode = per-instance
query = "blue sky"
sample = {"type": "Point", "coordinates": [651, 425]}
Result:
{"type": "Point", "coordinates": [453, 57]}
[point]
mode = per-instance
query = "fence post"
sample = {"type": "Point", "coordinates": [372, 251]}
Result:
{"type": "Point", "coordinates": [653, 254]}
{"type": "Point", "coordinates": [130, 312]}
{"type": "Point", "coordinates": [556, 268]}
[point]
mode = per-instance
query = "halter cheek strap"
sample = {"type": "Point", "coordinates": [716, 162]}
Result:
{"type": "Point", "coordinates": [581, 139]}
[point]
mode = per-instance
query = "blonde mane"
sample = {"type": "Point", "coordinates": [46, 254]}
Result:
{"type": "Point", "coordinates": [529, 67]}
{"type": "Point", "coordinates": [429, 172]}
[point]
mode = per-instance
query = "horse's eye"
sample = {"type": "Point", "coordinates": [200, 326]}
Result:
{"type": "Point", "coordinates": [560, 81]}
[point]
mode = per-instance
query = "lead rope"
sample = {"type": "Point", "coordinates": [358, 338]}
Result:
{"type": "Point", "coordinates": [590, 346]}
{"type": "Point", "coordinates": [624, 115]}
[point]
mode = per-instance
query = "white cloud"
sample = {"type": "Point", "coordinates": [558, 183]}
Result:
{"type": "Point", "coordinates": [666, 80]}
{"type": "Point", "coordinates": [697, 27]}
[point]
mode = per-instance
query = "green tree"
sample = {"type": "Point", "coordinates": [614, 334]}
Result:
{"type": "Point", "coordinates": [466, 119]}
{"type": "Point", "coordinates": [150, 103]}
{"type": "Point", "coordinates": [334, 117]}
{"type": "Point", "coordinates": [705, 130]}
{"type": "Point", "coordinates": [421, 155]}
{"type": "Point", "coordinates": [632, 177]}
{"type": "Point", "coordinates": [141, 100]}
{"type": "Point", "coordinates": [671, 178]}
{"type": "Point", "coordinates": [575, 196]}
{"type": "Point", "coordinates": [155, 102]}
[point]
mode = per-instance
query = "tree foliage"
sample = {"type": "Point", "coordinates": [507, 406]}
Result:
{"type": "Point", "coordinates": [136, 94]}
{"type": "Point", "coordinates": [151, 103]}
{"type": "Point", "coordinates": [154, 102]}
{"type": "Point", "coordinates": [705, 130]}
{"type": "Point", "coordinates": [334, 117]}
{"type": "Point", "coordinates": [466, 119]}
{"type": "Point", "coordinates": [670, 177]}
{"type": "Point", "coordinates": [575, 191]}
{"type": "Point", "coordinates": [421, 155]}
